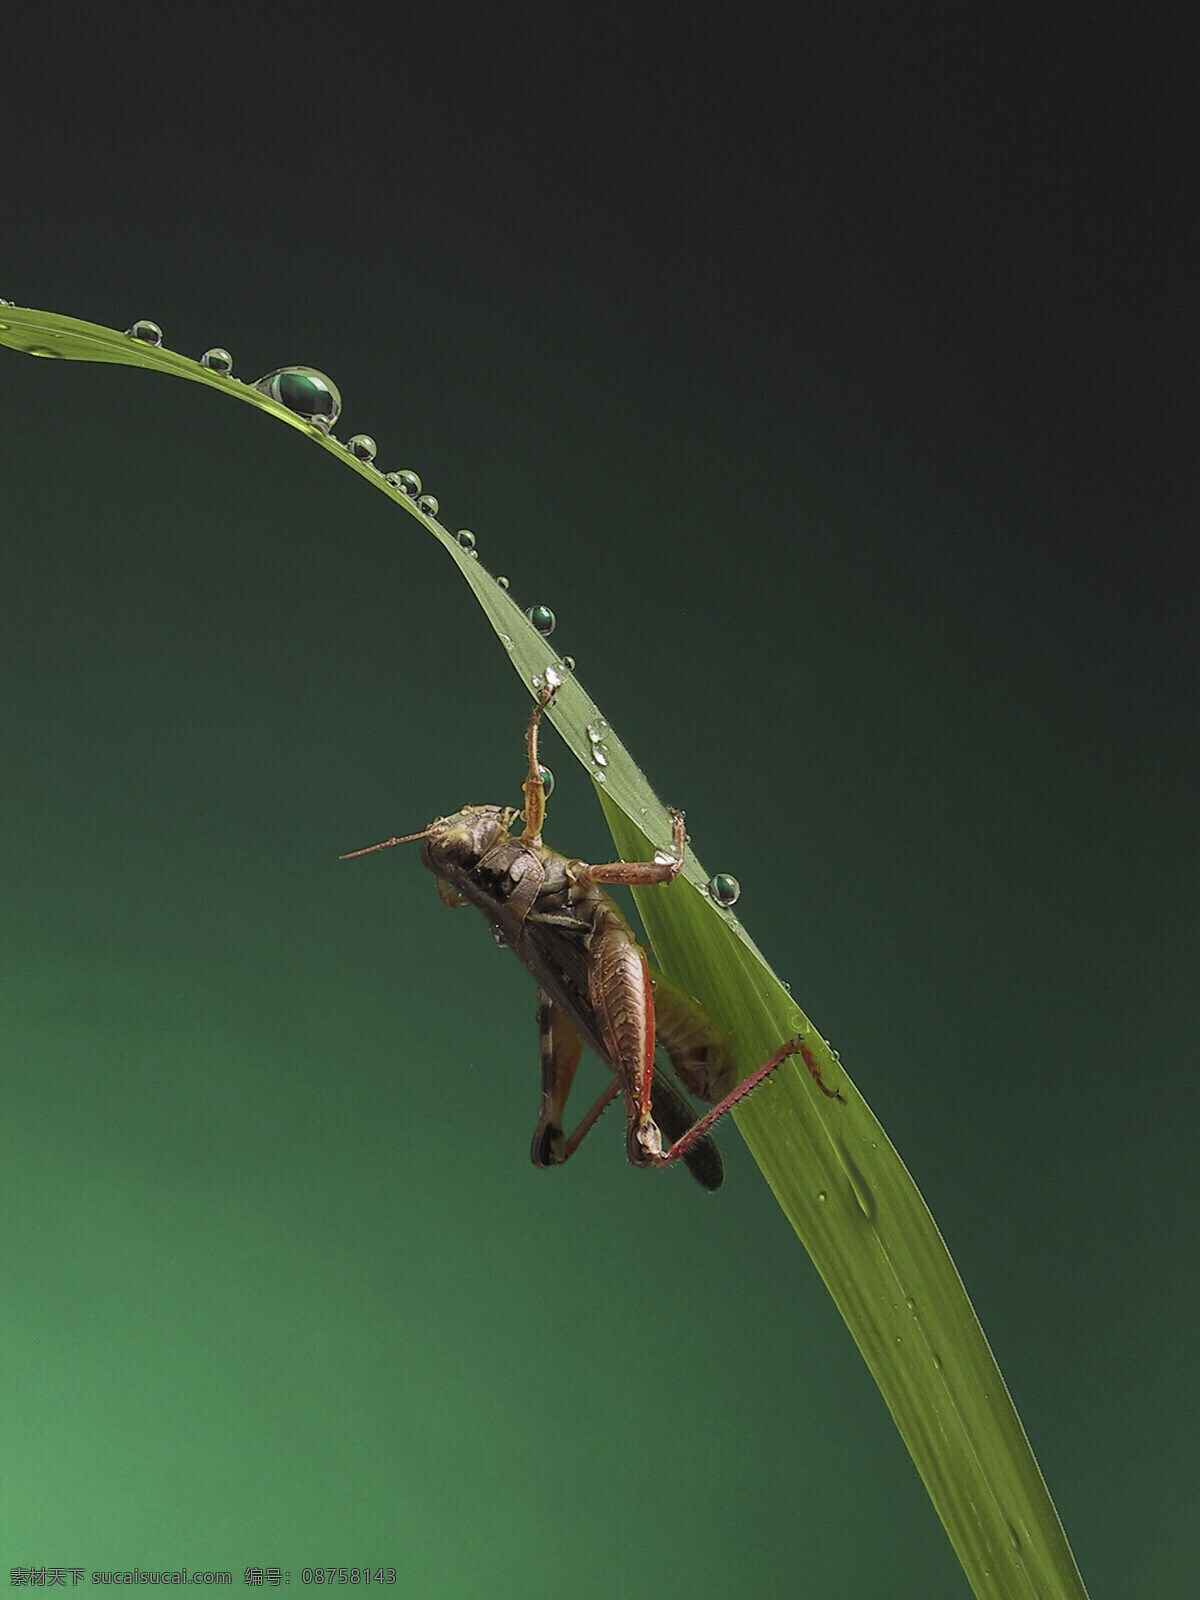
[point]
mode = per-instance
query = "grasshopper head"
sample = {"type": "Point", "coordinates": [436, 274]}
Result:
{"type": "Point", "coordinates": [453, 845]}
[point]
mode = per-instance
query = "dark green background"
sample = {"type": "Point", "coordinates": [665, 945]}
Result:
{"type": "Point", "coordinates": [831, 374]}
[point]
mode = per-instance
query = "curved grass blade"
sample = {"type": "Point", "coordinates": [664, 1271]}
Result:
{"type": "Point", "coordinates": [831, 1166]}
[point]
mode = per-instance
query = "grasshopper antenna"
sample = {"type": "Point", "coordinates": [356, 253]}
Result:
{"type": "Point", "coordinates": [384, 844]}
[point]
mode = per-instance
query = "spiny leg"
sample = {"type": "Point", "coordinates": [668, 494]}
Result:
{"type": "Point", "coordinates": [650, 1139]}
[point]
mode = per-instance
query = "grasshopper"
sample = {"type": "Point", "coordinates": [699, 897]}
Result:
{"type": "Point", "coordinates": [596, 985]}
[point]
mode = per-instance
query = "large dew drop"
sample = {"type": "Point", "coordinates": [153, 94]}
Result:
{"type": "Point", "coordinates": [307, 392]}
{"type": "Point", "coordinates": [724, 888]}
{"type": "Point", "coordinates": [148, 332]}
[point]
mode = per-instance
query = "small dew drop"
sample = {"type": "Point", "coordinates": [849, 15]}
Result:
{"type": "Point", "coordinates": [821, 1197]}
{"type": "Point", "coordinates": [307, 392]}
{"type": "Point", "coordinates": [569, 663]}
{"type": "Point", "coordinates": [663, 858]}
{"type": "Point", "coordinates": [937, 1361]}
{"type": "Point", "coordinates": [218, 361]}
{"type": "Point", "coordinates": [543, 619]}
{"type": "Point", "coordinates": [503, 582]}
{"type": "Point", "coordinates": [547, 779]}
{"type": "Point", "coordinates": [506, 641]}
{"type": "Point", "coordinates": [147, 332]}
{"type": "Point", "coordinates": [428, 504]}
{"type": "Point", "coordinates": [536, 680]}
{"type": "Point", "coordinates": [362, 447]}
{"type": "Point", "coordinates": [553, 676]}
{"type": "Point", "coordinates": [599, 777]}
{"type": "Point", "coordinates": [407, 482]}
{"type": "Point", "coordinates": [910, 1303]}
{"type": "Point", "coordinates": [724, 888]}
{"type": "Point", "coordinates": [465, 538]}
{"type": "Point", "coordinates": [599, 755]}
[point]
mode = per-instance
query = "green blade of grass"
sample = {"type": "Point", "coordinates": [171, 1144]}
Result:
{"type": "Point", "coordinates": [842, 1185]}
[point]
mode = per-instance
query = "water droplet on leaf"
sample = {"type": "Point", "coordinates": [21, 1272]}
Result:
{"type": "Point", "coordinates": [724, 888]}
{"type": "Point", "coordinates": [547, 779]}
{"type": "Point", "coordinates": [465, 538]}
{"type": "Point", "coordinates": [428, 504]}
{"type": "Point", "coordinates": [307, 392]}
{"type": "Point", "coordinates": [362, 447]}
{"type": "Point", "coordinates": [218, 361]}
{"type": "Point", "coordinates": [503, 582]}
{"type": "Point", "coordinates": [543, 619]}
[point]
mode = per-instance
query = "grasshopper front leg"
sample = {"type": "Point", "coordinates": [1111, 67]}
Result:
{"type": "Point", "coordinates": [534, 790]}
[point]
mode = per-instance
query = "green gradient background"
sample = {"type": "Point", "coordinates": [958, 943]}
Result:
{"type": "Point", "coordinates": [889, 595]}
